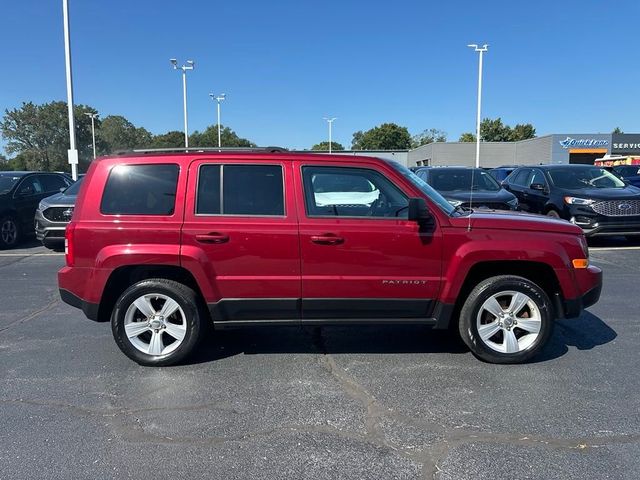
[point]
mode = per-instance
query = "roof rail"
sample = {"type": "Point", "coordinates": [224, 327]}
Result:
{"type": "Point", "coordinates": [200, 149]}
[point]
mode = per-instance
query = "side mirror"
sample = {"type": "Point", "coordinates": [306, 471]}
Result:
{"type": "Point", "coordinates": [538, 186]}
{"type": "Point", "coordinates": [418, 210]}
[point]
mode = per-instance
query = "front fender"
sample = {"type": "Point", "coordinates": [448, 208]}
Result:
{"type": "Point", "coordinates": [551, 250]}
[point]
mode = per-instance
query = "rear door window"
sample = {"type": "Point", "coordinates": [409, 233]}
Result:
{"type": "Point", "coordinates": [140, 190]}
{"type": "Point", "coordinates": [249, 190]}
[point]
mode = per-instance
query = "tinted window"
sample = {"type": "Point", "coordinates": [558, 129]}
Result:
{"type": "Point", "coordinates": [520, 177]}
{"type": "Point", "coordinates": [75, 188]}
{"type": "Point", "coordinates": [351, 192]}
{"type": "Point", "coordinates": [452, 179]}
{"type": "Point", "coordinates": [628, 171]}
{"type": "Point", "coordinates": [574, 178]}
{"type": "Point", "coordinates": [537, 177]}
{"type": "Point", "coordinates": [246, 190]}
{"type": "Point", "coordinates": [30, 186]}
{"type": "Point", "coordinates": [140, 190]}
{"type": "Point", "coordinates": [208, 201]}
{"type": "Point", "coordinates": [7, 181]}
{"type": "Point", "coordinates": [52, 183]}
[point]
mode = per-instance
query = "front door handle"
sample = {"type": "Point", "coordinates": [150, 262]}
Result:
{"type": "Point", "coordinates": [327, 239]}
{"type": "Point", "coordinates": [213, 237]}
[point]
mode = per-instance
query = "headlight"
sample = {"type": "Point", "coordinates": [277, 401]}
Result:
{"type": "Point", "coordinates": [578, 201]}
{"type": "Point", "coordinates": [455, 203]}
{"type": "Point", "coordinates": [41, 206]}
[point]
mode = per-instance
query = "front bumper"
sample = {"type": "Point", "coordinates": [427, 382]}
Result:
{"type": "Point", "coordinates": [594, 224]}
{"type": "Point", "coordinates": [49, 232]}
{"type": "Point", "coordinates": [590, 282]}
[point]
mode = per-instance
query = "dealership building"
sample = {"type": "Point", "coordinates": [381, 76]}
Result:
{"type": "Point", "coordinates": [555, 148]}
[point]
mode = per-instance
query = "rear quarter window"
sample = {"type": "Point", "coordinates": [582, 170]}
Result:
{"type": "Point", "coordinates": [140, 190]}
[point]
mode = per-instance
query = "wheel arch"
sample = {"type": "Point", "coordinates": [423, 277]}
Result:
{"type": "Point", "coordinates": [123, 277]}
{"type": "Point", "coordinates": [539, 273]}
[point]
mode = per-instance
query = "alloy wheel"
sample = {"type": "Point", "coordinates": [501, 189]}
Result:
{"type": "Point", "coordinates": [155, 324]}
{"type": "Point", "coordinates": [509, 322]}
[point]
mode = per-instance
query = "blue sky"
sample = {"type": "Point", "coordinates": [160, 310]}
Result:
{"type": "Point", "coordinates": [565, 66]}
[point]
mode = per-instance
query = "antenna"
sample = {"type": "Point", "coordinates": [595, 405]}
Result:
{"type": "Point", "coordinates": [473, 171]}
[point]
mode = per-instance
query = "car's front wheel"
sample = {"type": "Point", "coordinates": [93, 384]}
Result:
{"type": "Point", "coordinates": [506, 319]}
{"type": "Point", "coordinates": [157, 322]}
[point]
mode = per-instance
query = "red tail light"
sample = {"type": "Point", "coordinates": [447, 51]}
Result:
{"type": "Point", "coordinates": [68, 244]}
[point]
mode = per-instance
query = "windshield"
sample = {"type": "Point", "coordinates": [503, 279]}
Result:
{"type": "Point", "coordinates": [459, 179]}
{"type": "Point", "coordinates": [587, 177]}
{"type": "Point", "coordinates": [423, 186]}
{"type": "Point", "coordinates": [7, 181]}
{"type": "Point", "coordinates": [74, 188]}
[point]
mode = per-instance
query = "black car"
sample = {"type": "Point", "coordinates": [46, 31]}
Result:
{"type": "Point", "coordinates": [589, 196]}
{"type": "Point", "coordinates": [468, 187]}
{"type": "Point", "coordinates": [20, 193]}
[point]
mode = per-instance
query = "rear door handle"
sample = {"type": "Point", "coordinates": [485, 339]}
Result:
{"type": "Point", "coordinates": [213, 237]}
{"type": "Point", "coordinates": [327, 239]}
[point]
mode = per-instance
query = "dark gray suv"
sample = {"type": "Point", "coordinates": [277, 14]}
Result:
{"type": "Point", "coordinates": [53, 215]}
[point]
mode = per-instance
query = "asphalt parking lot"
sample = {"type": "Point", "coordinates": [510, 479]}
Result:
{"type": "Point", "coordinates": [331, 403]}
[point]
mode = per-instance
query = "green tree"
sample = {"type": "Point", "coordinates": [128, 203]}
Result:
{"type": "Point", "coordinates": [39, 134]}
{"type": "Point", "coordinates": [467, 137]}
{"type": "Point", "coordinates": [387, 136]}
{"type": "Point", "coordinates": [522, 131]}
{"type": "Point", "coordinates": [324, 146]}
{"type": "Point", "coordinates": [115, 132]}
{"type": "Point", "coordinates": [494, 131]}
{"type": "Point", "coordinates": [617, 130]}
{"type": "Point", "coordinates": [431, 135]}
{"type": "Point", "coordinates": [172, 139]}
{"type": "Point", "coordinates": [209, 138]}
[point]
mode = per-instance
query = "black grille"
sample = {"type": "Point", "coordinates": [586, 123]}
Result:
{"type": "Point", "coordinates": [58, 214]}
{"type": "Point", "coordinates": [617, 208]}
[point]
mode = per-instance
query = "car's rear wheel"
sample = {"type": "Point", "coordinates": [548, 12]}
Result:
{"type": "Point", "coordinates": [9, 232]}
{"type": "Point", "coordinates": [506, 319]}
{"type": "Point", "coordinates": [157, 322]}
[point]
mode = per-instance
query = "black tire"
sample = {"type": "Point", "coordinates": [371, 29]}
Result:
{"type": "Point", "coordinates": [469, 318]}
{"type": "Point", "coordinates": [8, 224]}
{"type": "Point", "coordinates": [194, 320]}
{"type": "Point", "coordinates": [553, 214]}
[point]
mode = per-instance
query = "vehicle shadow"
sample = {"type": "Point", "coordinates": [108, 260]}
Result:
{"type": "Point", "coordinates": [584, 333]}
{"type": "Point", "coordinates": [376, 339]}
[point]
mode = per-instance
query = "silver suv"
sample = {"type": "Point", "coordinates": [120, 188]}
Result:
{"type": "Point", "coordinates": [53, 215]}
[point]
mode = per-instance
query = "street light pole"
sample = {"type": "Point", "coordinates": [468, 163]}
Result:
{"type": "Point", "coordinates": [330, 122]}
{"type": "Point", "coordinates": [480, 50]}
{"type": "Point", "coordinates": [189, 66]}
{"type": "Point", "coordinates": [72, 153]}
{"type": "Point", "coordinates": [93, 116]}
{"type": "Point", "coordinates": [218, 98]}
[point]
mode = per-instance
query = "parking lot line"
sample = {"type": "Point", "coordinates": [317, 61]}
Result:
{"type": "Point", "coordinates": [30, 254]}
{"type": "Point", "coordinates": [603, 249]}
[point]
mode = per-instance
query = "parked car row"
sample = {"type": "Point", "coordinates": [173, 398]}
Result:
{"type": "Point", "coordinates": [601, 200]}
{"type": "Point", "coordinates": [20, 195]}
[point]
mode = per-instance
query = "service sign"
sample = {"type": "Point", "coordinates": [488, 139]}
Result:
{"type": "Point", "coordinates": [628, 143]}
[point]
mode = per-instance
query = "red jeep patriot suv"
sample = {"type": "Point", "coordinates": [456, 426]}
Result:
{"type": "Point", "coordinates": [164, 244]}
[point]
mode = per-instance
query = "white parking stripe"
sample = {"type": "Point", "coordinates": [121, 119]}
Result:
{"type": "Point", "coordinates": [611, 249]}
{"type": "Point", "coordinates": [30, 254]}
